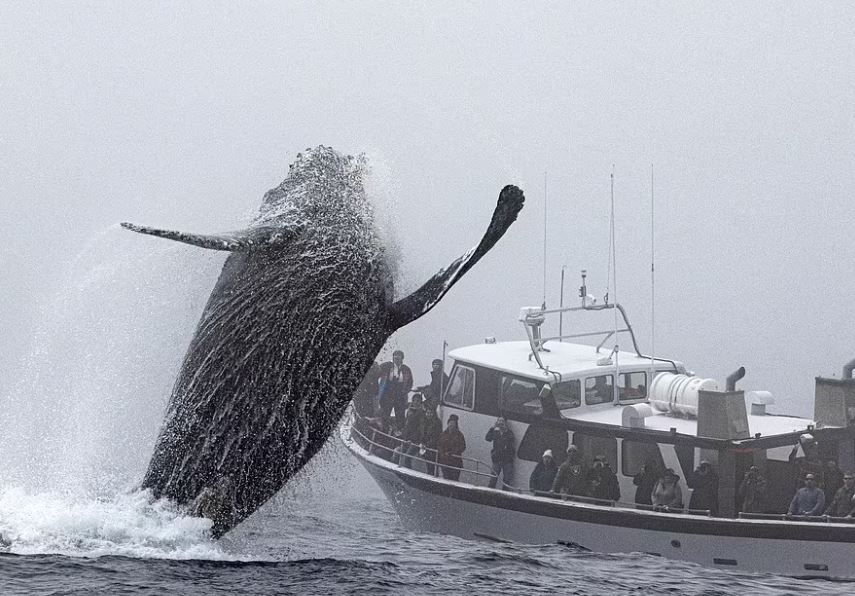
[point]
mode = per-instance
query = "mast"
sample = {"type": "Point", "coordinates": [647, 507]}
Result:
{"type": "Point", "coordinates": [544, 240]}
{"type": "Point", "coordinates": [615, 389]}
{"type": "Point", "coordinates": [652, 289]}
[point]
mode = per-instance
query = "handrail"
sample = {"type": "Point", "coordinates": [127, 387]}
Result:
{"type": "Point", "coordinates": [831, 519]}
{"type": "Point", "coordinates": [433, 462]}
{"type": "Point", "coordinates": [621, 504]}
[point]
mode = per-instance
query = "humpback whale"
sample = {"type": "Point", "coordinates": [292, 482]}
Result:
{"type": "Point", "coordinates": [303, 305]}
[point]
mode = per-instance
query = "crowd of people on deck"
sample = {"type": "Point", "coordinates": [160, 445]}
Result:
{"type": "Point", "coordinates": [410, 429]}
{"type": "Point", "coordinates": [413, 429]}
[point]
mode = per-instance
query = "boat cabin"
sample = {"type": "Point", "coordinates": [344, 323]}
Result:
{"type": "Point", "coordinates": [632, 409]}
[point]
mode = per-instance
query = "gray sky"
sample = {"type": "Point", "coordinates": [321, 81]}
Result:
{"type": "Point", "coordinates": [183, 115]}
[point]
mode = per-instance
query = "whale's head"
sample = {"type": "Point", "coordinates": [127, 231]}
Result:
{"type": "Point", "coordinates": [321, 184]}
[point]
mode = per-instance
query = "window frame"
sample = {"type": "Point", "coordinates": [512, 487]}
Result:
{"type": "Point", "coordinates": [567, 382]}
{"type": "Point", "coordinates": [605, 401]}
{"type": "Point", "coordinates": [628, 444]}
{"type": "Point", "coordinates": [538, 386]}
{"type": "Point", "coordinates": [462, 405]}
{"type": "Point", "coordinates": [621, 389]}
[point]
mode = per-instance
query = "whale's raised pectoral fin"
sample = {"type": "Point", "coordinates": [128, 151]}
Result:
{"type": "Point", "coordinates": [253, 238]}
{"type": "Point", "coordinates": [409, 309]}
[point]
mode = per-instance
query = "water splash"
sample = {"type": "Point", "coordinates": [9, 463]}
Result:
{"type": "Point", "coordinates": [80, 419]}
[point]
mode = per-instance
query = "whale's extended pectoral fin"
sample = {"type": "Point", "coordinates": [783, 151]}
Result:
{"type": "Point", "coordinates": [253, 238]}
{"type": "Point", "coordinates": [409, 309]}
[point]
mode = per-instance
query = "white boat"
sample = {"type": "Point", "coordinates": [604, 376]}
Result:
{"type": "Point", "coordinates": [680, 422]}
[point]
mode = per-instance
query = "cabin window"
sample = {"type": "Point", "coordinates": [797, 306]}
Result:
{"type": "Point", "coordinates": [567, 394]}
{"type": "Point", "coordinates": [632, 385]}
{"type": "Point", "coordinates": [540, 436]}
{"type": "Point", "coordinates": [599, 390]}
{"type": "Point", "coordinates": [634, 454]}
{"type": "Point", "coordinates": [461, 388]}
{"type": "Point", "coordinates": [592, 446]}
{"type": "Point", "coordinates": [520, 396]}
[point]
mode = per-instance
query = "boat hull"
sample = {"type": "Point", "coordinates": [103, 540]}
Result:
{"type": "Point", "coordinates": [429, 504]}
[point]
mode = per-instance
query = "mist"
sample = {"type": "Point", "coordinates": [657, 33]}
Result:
{"type": "Point", "coordinates": [182, 116]}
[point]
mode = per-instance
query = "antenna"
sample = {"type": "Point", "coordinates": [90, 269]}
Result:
{"type": "Point", "coordinates": [561, 306]}
{"type": "Point", "coordinates": [544, 239]}
{"type": "Point", "coordinates": [613, 242]}
{"type": "Point", "coordinates": [652, 287]}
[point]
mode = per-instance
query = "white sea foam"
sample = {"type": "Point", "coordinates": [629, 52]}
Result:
{"type": "Point", "coordinates": [124, 523]}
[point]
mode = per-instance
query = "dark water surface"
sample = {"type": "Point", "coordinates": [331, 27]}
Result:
{"type": "Point", "coordinates": [336, 535]}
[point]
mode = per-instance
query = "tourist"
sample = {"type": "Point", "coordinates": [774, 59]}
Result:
{"type": "Point", "coordinates": [808, 500]}
{"type": "Point", "coordinates": [572, 476]}
{"type": "Point", "coordinates": [414, 426]}
{"type": "Point", "coordinates": [602, 481]}
{"type": "Point", "coordinates": [646, 480]}
{"type": "Point", "coordinates": [704, 482]}
{"type": "Point", "coordinates": [544, 474]}
{"type": "Point", "coordinates": [832, 480]}
{"type": "Point", "coordinates": [809, 463]}
{"type": "Point", "coordinates": [752, 491]}
{"type": "Point", "coordinates": [396, 380]}
{"type": "Point", "coordinates": [449, 449]}
{"type": "Point", "coordinates": [430, 438]}
{"type": "Point", "coordinates": [438, 382]}
{"type": "Point", "coordinates": [503, 453]}
{"type": "Point", "coordinates": [667, 493]}
{"type": "Point", "coordinates": [841, 503]}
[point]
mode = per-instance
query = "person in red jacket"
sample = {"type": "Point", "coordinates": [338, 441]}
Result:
{"type": "Point", "coordinates": [450, 447]}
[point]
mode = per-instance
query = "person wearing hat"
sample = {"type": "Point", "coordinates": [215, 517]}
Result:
{"type": "Point", "coordinates": [450, 447]}
{"type": "Point", "coordinates": [667, 493]}
{"type": "Point", "coordinates": [602, 481]}
{"type": "Point", "coordinates": [704, 484]}
{"type": "Point", "coordinates": [808, 500]}
{"type": "Point", "coordinates": [543, 476]}
{"type": "Point", "coordinates": [572, 476]}
{"type": "Point", "coordinates": [841, 503]}
{"type": "Point", "coordinates": [438, 381]}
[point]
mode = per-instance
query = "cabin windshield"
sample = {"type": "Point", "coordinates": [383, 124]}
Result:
{"type": "Point", "coordinates": [567, 394]}
{"type": "Point", "coordinates": [632, 385]}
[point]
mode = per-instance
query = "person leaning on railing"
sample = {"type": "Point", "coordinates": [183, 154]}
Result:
{"type": "Point", "coordinates": [841, 503]}
{"type": "Point", "coordinates": [667, 493]}
{"type": "Point", "coordinates": [543, 476]}
{"type": "Point", "coordinates": [808, 500]}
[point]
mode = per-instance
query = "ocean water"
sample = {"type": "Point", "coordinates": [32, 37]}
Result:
{"type": "Point", "coordinates": [330, 532]}
{"type": "Point", "coordinates": [79, 418]}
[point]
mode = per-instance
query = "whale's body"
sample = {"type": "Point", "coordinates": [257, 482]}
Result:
{"type": "Point", "coordinates": [302, 307]}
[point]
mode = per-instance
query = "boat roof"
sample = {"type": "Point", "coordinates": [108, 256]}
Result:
{"type": "Point", "coordinates": [567, 359]}
{"type": "Point", "coordinates": [572, 360]}
{"type": "Point", "coordinates": [766, 425]}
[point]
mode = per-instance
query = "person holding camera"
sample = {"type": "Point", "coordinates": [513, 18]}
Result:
{"type": "Point", "coordinates": [752, 491]}
{"type": "Point", "coordinates": [503, 453]}
{"type": "Point", "coordinates": [704, 482]}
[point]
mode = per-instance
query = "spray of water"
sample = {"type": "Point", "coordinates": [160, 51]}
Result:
{"type": "Point", "coordinates": [80, 420]}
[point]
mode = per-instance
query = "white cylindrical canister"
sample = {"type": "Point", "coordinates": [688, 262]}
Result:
{"type": "Point", "coordinates": [670, 392]}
